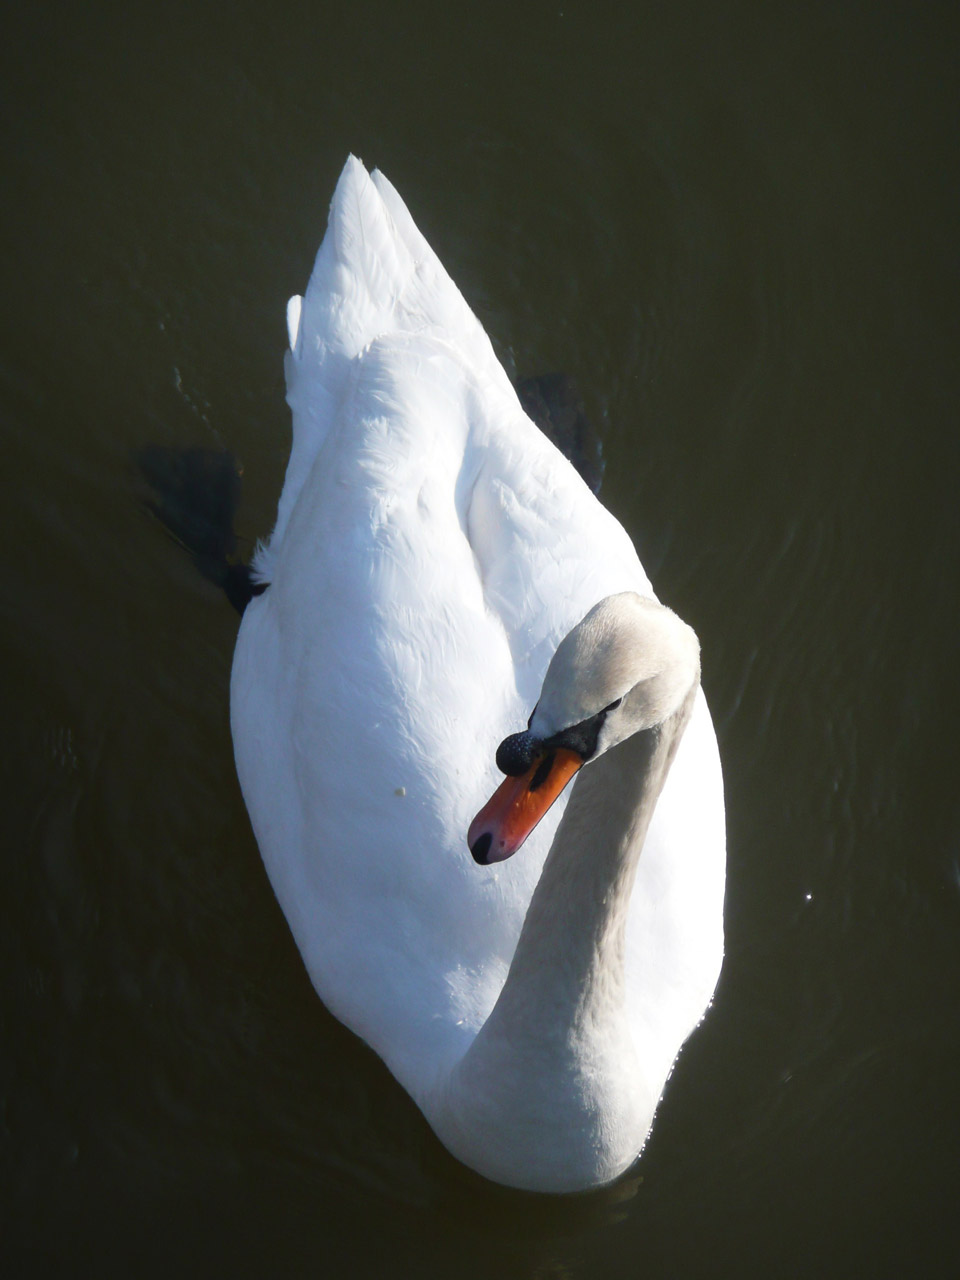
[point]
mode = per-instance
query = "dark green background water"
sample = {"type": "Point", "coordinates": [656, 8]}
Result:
{"type": "Point", "coordinates": [736, 225]}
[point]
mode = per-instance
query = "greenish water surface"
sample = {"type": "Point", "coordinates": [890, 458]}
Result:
{"type": "Point", "coordinates": [736, 226]}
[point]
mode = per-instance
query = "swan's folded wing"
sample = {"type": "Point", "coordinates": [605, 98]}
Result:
{"type": "Point", "coordinates": [545, 548]}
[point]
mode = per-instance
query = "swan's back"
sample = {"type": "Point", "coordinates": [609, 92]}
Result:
{"type": "Point", "coordinates": [430, 551]}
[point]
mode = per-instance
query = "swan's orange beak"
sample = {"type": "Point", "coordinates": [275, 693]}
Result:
{"type": "Point", "coordinates": [518, 804]}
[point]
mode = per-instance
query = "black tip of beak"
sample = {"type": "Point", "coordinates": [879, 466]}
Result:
{"type": "Point", "coordinates": [481, 848]}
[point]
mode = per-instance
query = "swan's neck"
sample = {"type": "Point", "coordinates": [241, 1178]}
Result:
{"type": "Point", "coordinates": [555, 1062]}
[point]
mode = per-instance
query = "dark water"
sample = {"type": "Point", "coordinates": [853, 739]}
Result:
{"type": "Point", "coordinates": [736, 225]}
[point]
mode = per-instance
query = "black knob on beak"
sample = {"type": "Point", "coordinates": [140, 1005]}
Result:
{"type": "Point", "coordinates": [516, 754]}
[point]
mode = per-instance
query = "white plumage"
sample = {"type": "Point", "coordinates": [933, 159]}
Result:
{"type": "Point", "coordinates": [431, 550]}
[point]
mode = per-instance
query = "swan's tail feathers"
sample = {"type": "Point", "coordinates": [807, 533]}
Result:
{"type": "Point", "coordinates": [407, 229]}
{"type": "Point", "coordinates": [374, 274]}
{"type": "Point", "coordinates": [194, 494]}
{"type": "Point", "coordinates": [375, 279]}
{"type": "Point", "coordinates": [439, 300]}
{"type": "Point", "coordinates": [362, 267]}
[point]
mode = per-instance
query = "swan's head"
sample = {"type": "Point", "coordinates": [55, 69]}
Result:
{"type": "Point", "coordinates": [628, 666]}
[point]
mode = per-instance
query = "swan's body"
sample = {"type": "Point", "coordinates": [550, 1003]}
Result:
{"type": "Point", "coordinates": [431, 551]}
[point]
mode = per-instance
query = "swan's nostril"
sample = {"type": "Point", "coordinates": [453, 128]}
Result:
{"type": "Point", "coordinates": [481, 848]}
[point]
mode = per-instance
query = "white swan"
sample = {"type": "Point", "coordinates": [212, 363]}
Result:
{"type": "Point", "coordinates": [432, 550]}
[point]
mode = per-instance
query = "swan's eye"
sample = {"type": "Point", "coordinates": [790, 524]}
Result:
{"type": "Point", "coordinates": [612, 707]}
